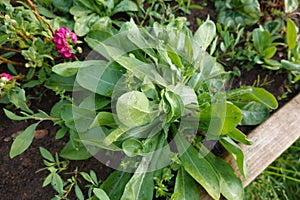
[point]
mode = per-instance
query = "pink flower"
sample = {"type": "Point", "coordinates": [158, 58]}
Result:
{"type": "Point", "coordinates": [64, 40]}
{"type": "Point", "coordinates": [5, 75]}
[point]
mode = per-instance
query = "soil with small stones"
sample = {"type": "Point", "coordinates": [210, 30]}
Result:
{"type": "Point", "coordinates": [18, 177]}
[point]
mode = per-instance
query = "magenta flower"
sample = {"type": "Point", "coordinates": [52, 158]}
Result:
{"type": "Point", "coordinates": [7, 76]}
{"type": "Point", "coordinates": [64, 40]}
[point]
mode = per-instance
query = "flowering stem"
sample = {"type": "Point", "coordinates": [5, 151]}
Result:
{"type": "Point", "coordinates": [38, 16]}
{"type": "Point", "coordinates": [5, 60]}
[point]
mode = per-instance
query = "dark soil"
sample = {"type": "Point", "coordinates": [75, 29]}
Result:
{"type": "Point", "coordinates": [18, 177]}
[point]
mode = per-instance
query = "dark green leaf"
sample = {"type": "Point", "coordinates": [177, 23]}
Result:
{"type": "Point", "coordinates": [253, 113]}
{"type": "Point", "coordinates": [185, 187]}
{"type": "Point", "coordinates": [75, 151]}
{"type": "Point", "coordinates": [57, 82]}
{"type": "Point", "coordinates": [234, 149]}
{"type": "Point", "coordinates": [125, 6]}
{"type": "Point", "coordinates": [198, 167]}
{"type": "Point", "coordinates": [114, 185]}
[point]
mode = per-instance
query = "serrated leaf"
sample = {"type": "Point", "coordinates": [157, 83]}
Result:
{"type": "Point", "coordinates": [23, 141]}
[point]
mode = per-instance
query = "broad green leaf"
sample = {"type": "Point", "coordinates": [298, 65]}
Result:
{"type": "Point", "coordinates": [290, 65]}
{"type": "Point", "coordinates": [46, 154]}
{"type": "Point", "coordinates": [140, 186]}
{"type": "Point", "coordinates": [97, 138]}
{"type": "Point", "coordinates": [185, 187]}
{"type": "Point", "coordinates": [100, 194]}
{"type": "Point", "coordinates": [269, 52]}
{"type": "Point", "coordinates": [104, 119]}
{"type": "Point", "coordinates": [75, 151]}
{"type": "Point", "coordinates": [236, 151]}
{"type": "Point", "coordinates": [71, 68]}
{"type": "Point", "coordinates": [141, 69]}
{"type": "Point", "coordinates": [253, 113]}
{"type": "Point", "coordinates": [290, 5]}
{"type": "Point", "coordinates": [291, 34]}
{"type": "Point", "coordinates": [63, 6]}
{"type": "Point", "coordinates": [205, 34]}
{"type": "Point", "coordinates": [254, 94]}
{"type": "Point", "coordinates": [99, 78]}
{"type": "Point", "coordinates": [23, 141]}
{"type": "Point", "coordinates": [175, 105]}
{"type": "Point", "coordinates": [238, 12]}
{"type": "Point", "coordinates": [239, 136]}
{"type": "Point", "coordinates": [261, 39]}
{"type": "Point", "coordinates": [19, 100]}
{"type": "Point", "coordinates": [57, 183]}
{"type": "Point", "coordinates": [198, 167]}
{"type": "Point", "coordinates": [231, 185]}
{"type": "Point", "coordinates": [133, 109]}
{"type": "Point", "coordinates": [125, 6]}
{"type": "Point", "coordinates": [115, 184]}
{"type": "Point", "coordinates": [57, 82]}
{"type": "Point", "coordinates": [132, 147]}
{"type": "Point", "coordinates": [114, 135]}
{"type": "Point", "coordinates": [12, 116]}
{"type": "Point", "coordinates": [220, 118]}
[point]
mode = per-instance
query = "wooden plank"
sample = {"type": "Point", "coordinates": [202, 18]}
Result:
{"type": "Point", "coordinates": [270, 140]}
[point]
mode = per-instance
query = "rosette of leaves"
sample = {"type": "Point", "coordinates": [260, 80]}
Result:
{"type": "Point", "coordinates": [238, 12]}
{"type": "Point", "coordinates": [149, 104]}
{"type": "Point", "coordinates": [91, 15]}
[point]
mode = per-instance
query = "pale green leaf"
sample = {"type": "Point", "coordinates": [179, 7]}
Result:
{"type": "Point", "coordinates": [23, 141]}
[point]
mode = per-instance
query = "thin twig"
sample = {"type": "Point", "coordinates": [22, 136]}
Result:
{"type": "Point", "coordinates": [5, 60]}
{"type": "Point", "coordinates": [10, 49]}
{"type": "Point", "coordinates": [38, 16]}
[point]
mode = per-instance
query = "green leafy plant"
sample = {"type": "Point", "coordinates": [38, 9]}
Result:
{"type": "Point", "coordinates": [96, 15]}
{"type": "Point", "coordinates": [236, 13]}
{"type": "Point", "coordinates": [155, 87]}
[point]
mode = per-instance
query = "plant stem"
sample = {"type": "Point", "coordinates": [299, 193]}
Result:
{"type": "Point", "coordinates": [10, 49]}
{"type": "Point", "coordinates": [5, 60]}
{"type": "Point", "coordinates": [38, 16]}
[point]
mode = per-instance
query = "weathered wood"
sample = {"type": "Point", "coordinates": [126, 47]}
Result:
{"type": "Point", "coordinates": [270, 140]}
